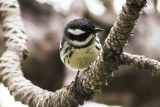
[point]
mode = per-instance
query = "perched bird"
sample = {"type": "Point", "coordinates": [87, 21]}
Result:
{"type": "Point", "coordinates": [80, 45]}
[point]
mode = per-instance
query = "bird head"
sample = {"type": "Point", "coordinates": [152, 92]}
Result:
{"type": "Point", "coordinates": [80, 31]}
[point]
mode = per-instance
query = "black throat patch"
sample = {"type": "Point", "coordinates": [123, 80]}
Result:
{"type": "Point", "coordinates": [83, 46]}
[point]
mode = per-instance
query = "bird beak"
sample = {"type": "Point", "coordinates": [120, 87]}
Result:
{"type": "Point", "coordinates": [96, 30]}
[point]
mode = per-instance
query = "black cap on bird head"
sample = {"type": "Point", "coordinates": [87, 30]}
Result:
{"type": "Point", "coordinates": [83, 24]}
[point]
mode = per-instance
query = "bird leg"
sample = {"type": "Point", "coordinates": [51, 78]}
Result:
{"type": "Point", "coordinates": [76, 79]}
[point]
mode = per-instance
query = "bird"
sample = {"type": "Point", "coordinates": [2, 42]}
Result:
{"type": "Point", "coordinates": [80, 45]}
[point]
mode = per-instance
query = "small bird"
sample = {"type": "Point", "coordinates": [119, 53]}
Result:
{"type": "Point", "coordinates": [80, 45]}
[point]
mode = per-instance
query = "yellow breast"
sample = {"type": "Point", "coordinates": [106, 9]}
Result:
{"type": "Point", "coordinates": [82, 58]}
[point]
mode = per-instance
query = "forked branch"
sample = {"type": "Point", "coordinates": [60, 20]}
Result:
{"type": "Point", "coordinates": [89, 83]}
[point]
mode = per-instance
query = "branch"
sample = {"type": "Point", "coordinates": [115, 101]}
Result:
{"type": "Point", "coordinates": [141, 62]}
{"type": "Point", "coordinates": [89, 83]}
{"type": "Point", "coordinates": [10, 62]}
{"type": "Point", "coordinates": [109, 60]}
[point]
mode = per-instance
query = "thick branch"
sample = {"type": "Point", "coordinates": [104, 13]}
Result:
{"type": "Point", "coordinates": [91, 81]}
{"type": "Point", "coordinates": [10, 62]}
{"type": "Point", "coordinates": [123, 27]}
{"type": "Point", "coordinates": [141, 62]}
{"type": "Point", "coordinates": [88, 84]}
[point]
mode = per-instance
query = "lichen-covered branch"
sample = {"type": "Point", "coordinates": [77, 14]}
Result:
{"type": "Point", "coordinates": [16, 50]}
{"type": "Point", "coordinates": [141, 62]}
{"type": "Point", "coordinates": [13, 29]}
{"type": "Point", "coordinates": [123, 27]}
{"type": "Point", "coordinates": [89, 83]}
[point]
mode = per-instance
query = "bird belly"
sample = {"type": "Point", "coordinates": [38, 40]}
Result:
{"type": "Point", "coordinates": [82, 58]}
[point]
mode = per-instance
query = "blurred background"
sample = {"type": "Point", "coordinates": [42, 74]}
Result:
{"type": "Point", "coordinates": [44, 21]}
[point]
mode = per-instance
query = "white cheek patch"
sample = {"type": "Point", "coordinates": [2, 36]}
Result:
{"type": "Point", "coordinates": [76, 31]}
